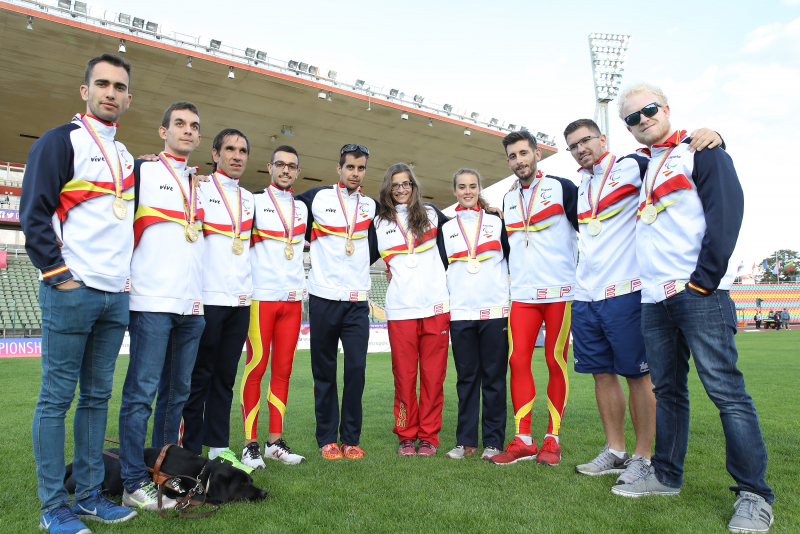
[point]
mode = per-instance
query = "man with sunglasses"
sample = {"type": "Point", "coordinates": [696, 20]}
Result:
{"type": "Point", "coordinates": [690, 213]}
{"type": "Point", "coordinates": [279, 288]}
{"type": "Point", "coordinates": [343, 246]}
{"type": "Point", "coordinates": [606, 313]}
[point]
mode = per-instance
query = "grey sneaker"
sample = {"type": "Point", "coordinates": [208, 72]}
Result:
{"type": "Point", "coordinates": [637, 467]}
{"type": "Point", "coordinates": [606, 463]}
{"type": "Point", "coordinates": [146, 498]}
{"type": "Point", "coordinates": [648, 485]}
{"type": "Point", "coordinates": [753, 514]}
{"type": "Point", "coordinates": [490, 452]}
{"type": "Point", "coordinates": [460, 451]}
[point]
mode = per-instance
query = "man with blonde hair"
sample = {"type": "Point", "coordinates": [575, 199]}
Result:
{"type": "Point", "coordinates": [690, 212]}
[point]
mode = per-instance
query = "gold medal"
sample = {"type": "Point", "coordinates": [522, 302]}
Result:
{"type": "Point", "coordinates": [411, 261]}
{"type": "Point", "coordinates": [649, 214]}
{"type": "Point", "coordinates": [473, 266]}
{"type": "Point", "coordinates": [349, 247]}
{"type": "Point", "coordinates": [191, 232]}
{"type": "Point", "coordinates": [119, 208]}
{"type": "Point", "coordinates": [238, 246]}
{"type": "Point", "coordinates": [288, 251]}
{"type": "Point", "coordinates": [594, 227]}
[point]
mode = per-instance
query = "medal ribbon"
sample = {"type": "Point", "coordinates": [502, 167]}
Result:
{"type": "Point", "coordinates": [287, 226]}
{"type": "Point", "coordinates": [350, 227]}
{"type": "Point", "coordinates": [237, 222]}
{"type": "Point", "coordinates": [117, 178]}
{"type": "Point", "coordinates": [190, 200]}
{"type": "Point", "coordinates": [410, 243]}
{"type": "Point", "coordinates": [649, 187]}
{"type": "Point", "coordinates": [526, 214]}
{"type": "Point", "coordinates": [594, 203]}
{"type": "Point", "coordinates": [472, 248]}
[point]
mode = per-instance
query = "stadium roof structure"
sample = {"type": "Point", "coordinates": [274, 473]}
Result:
{"type": "Point", "coordinates": [273, 102]}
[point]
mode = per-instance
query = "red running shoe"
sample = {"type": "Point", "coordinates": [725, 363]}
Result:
{"type": "Point", "coordinates": [550, 453]}
{"type": "Point", "coordinates": [515, 451]}
{"type": "Point", "coordinates": [426, 448]}
{"type": "Point", "coordinates": [407, 448]}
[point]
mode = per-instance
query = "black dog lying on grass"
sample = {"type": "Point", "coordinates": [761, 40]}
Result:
{"type": "Point", "coordinates": [225, 483]}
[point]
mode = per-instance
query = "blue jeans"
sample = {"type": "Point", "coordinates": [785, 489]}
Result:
{"type": "Point", "coordinates": [82, 331]}
{"type": "Point", "coordinates": [705, 326]}
{"type": "Point", "coordinates": [163, 350]}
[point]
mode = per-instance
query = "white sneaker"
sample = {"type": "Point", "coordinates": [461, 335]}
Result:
{"type": "Point", "coordinates": [251, 456]}
{"type": "Point", "coordinates": [146, 498]}
{"type": "Point", "coordinates": [281, 451]}
{"type": "Point", "coordinates": [636, 467]}
{"type": "Point", "coordinates": [460, 451]}
{"type": "Point", "coordinates": [489, 452]}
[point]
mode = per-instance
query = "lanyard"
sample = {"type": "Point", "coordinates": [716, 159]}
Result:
{"type": "Point", "coordinates": [288, 224]}
{"type": "Point", "coordinates": [594, 203]}
{"type": "Point", "coordinates": [350, 226]}
{"type": "Point", "coordinates": [472, 248]}
{"type": "Point", "coordinates": [410, 240]}
{"type": "Point", "coordinates": [190, 200]}
{"type": "Point", "coordinates": [116, 177]}
{"type": "Point", "coordinates": [526, 213]}
{"type": "Point", "coordinates": [649, 186]}
{"type": "Point", "coordinates": [237, 221]}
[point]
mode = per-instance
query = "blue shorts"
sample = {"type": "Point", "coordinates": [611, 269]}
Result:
{"type": "Point", "coordinates": [607, 336]}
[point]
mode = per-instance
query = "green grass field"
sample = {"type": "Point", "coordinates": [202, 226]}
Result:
{"type": "Point", "coordinates": [386, 493]}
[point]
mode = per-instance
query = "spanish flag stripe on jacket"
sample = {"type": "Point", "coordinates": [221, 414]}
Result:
{"type": "Point", "coordinates": [491, 245]}
{"type": "Point", "coordinates": [673, 184]}
{"type": "Point", "coordinates": [615, 196]}
{"type": "Point", "coordinates": [77, 191]}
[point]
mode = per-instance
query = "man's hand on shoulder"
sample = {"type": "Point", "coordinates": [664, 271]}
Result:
{"type": "Point", "coordinates": [497, 211]}
{"type": "Point", "coordinates": [704, 138]}
{"type": "Point", "coordinates": [197, 178]}
{"type": "Point", "coordinates": [148, 157]}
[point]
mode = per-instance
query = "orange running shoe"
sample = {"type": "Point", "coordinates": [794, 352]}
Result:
{"type": "Point", "coordinates": [331, 452]}
{"type": "Point", "coordinates": [353, 452]}
{"type": "Point", "coordinates": [515, 451]}
{"type": "Point", "coordinates": [550, 453]}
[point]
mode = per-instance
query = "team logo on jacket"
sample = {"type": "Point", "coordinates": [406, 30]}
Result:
{"type": "Point", "coordinates": [488, 230]}
{"type": "Point", "coordinates": [165, 187]}
{"type": "Point", "coordinates": [364, 209]}
{"type": "Point", "coordinates": [246, 206]}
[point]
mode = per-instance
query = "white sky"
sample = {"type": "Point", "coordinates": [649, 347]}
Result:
{"type": "Point", "coordinates": [733, 66]}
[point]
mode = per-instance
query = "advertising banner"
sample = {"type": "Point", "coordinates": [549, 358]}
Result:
{"type": "Point", "coordinates": [9, 216]}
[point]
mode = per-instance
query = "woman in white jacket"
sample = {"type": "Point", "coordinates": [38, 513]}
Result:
{"type": "Point", "coordinates": [417, 308]}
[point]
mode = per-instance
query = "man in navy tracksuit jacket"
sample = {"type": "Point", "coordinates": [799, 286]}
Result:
{"type": "Point", "coordinates": [77, 214]}
{"type": "Point", "coordinates": [343, 246]}
{"type": "Point", "coordinates": [690, 211]}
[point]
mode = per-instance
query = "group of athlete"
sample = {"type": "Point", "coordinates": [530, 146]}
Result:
{"type": "Point", "coordinates": [197, 268]}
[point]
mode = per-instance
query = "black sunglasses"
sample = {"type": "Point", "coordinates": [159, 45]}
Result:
{"type": "Point", "coordinates": [353, 148]}
{"type": "Point", "coordinates": [648, 111]}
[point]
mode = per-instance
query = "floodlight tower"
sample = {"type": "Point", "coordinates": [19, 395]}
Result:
{"type": "Point", "coordinates": [608, 53]}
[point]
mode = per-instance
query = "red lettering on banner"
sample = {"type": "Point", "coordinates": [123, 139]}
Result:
{"type": "Point", "coordinates": [565, 290]}
{"type": "Point", "coordinates": [541, 293]}
{"type": "Point", "coordinates": [635, 284]}
{"type": "Point", "coordinates": [669, 289]}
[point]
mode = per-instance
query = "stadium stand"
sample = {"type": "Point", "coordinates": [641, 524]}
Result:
{"type": "Point", "coordinates": [19, 299]}
{"type": "Point", "coordinates": [774, 297]}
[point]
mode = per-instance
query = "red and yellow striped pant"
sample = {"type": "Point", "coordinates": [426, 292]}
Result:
{"type": "Point", "coordinates": [275, 324]}
{"type": "Point", "coordinates": [524, 322]}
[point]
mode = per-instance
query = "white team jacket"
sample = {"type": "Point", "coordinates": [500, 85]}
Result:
{"type": "Point", "coordinates": [419, 292]}
{"type": "Point", "coordinates": [166, 269]}
{"type": "Point", "coordinates": [544, 271]}
{"type": "Point", "coordinates": [226, 276]}
{"type": "Point", "coordinates": [670, 251]}
{"type": "Point", "coordinates": [334, 274]}
{"type": "Point", "coordinates": [608, 266]}
{"type": "Point", "coordinates": [274, 277]}
{"type": "Point", "coordinates": [483, 295]}
{"type": "Point", "coordinates": [97, 246]}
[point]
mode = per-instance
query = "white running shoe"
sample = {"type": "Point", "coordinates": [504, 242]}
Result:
{"type": "Point", "coordinates": [606, 463]}
{"type": "Point", "coordinates": [146, 498]}
{"type": "Point", "coordinates": [637, 467]}
{"type": "Point", "coordinates": [281, 451]}
{"type": "Point", "coordinates": [490, 452]}
{"type": "Point", "coordinates": [251, 456]}
{"type": "Point", "coordinates": [460, 451]}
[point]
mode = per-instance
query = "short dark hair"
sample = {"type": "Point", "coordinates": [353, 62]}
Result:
{"type": "Point", "coordinates": [113, 59]}
{"type": "Point", "coordinates": [582, 123]}
{"type": "Point", "coordinates": [176, 107]}
{"type": "Point", "coordinates": [357, 153]}
{"type": "Point", "coordinates": [284, 148]}
{"type": "Point", "coordinates": [220, 138]}
{"type": "Point", "coordinates": [520, 135]}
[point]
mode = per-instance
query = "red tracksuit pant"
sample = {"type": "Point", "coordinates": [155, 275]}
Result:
{"type": "Point", "coordinates": [276, 324]}
{"type": "Point", "coordinates": [524, 322]}
{"type": "Point", "coordinates": [419, 345]}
